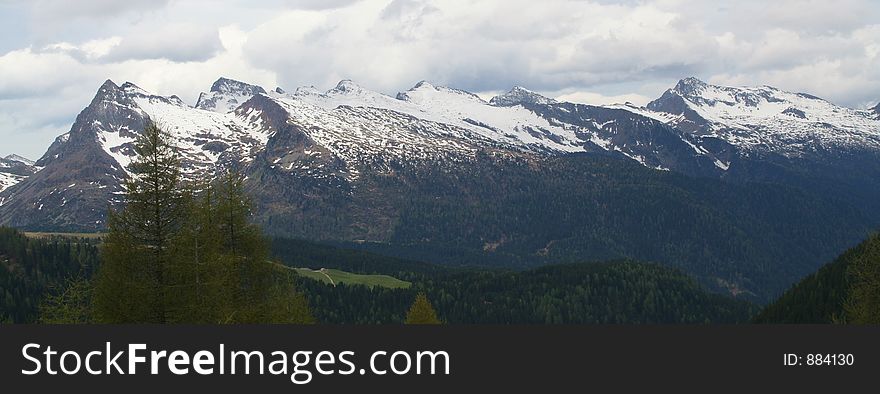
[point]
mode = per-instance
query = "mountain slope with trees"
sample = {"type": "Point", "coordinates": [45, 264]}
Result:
{"type": "Point", "coordinates": [589, 293]}
{"type": "Point", "coordinates": [622, 292]}
{"type": "Point", "coordinates": [32, 268]}
{"type": "Point", "coordinates": [846, 290]}
{"type": "Point", "coordinates": [748, 239]}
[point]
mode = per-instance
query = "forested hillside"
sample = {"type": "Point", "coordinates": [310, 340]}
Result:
{"type": "Point", "coordinates": [846, 290]}
{"type": "Point", "coordinates": [619, 292]}
{"type": "Point", "coordinates": [32, 268]}
{"type": "Point", "coordinates": [753, 240]}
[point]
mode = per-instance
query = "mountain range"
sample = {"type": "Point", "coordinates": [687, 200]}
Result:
{"type": "Point", "coordinates": [746, 188]}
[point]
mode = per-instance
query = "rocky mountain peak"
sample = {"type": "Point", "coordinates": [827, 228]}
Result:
{"type": "Point", "coordinates": [108, 85]}
{"type": "Point", "coordinates": [108, 91]}
{"type": "Point", "coordinates": [16, 158]}
{"type": "Point", "coordinates": [226, 85]}
{"type": "Point", "coordinates": [346, 86]}
{"type": "Point", "coordinates": [307, 90]}
{"type": "Point", "coordinates": [226, 95]}
{"type": "Point", "coordinates": [14, 169]}
{"type": "Point", "coordinates": [132, 88]}
{"type": "Point", "coordinates": [424, 89]}
{"type": "Point", "coordinates": [690, 86]}
{"type": "Point", "coordinates": [519, 95]}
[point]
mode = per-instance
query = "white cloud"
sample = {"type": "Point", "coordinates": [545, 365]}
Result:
{"type": "Point", "coordinates": [91, 9]}
{"type": "Point", "coordinates": [174, 42]}
{"type": "Point", "coordinates": [594, 52]}
{"type": "Point", "coordinates": [318, 4]}
{"type": "Point", "coordinates": [600, 99]}
{"type": "Point", "coordinates": [88, 51]}
{"type": "Point", "coordinates": [28, 74]}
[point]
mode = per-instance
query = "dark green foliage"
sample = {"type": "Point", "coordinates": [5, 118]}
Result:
{"type": "Point", "coordinates": [217, 269]}
{"type": "Point", "coordinates": [187, 253]}
{"type": "Point", "coordinates": [31, 269]}
{"type": "Point", "coordinates": [316, 256]}
{"type": "Point", "coordinates": [863, 305]}
{"type": "Point", "coordinates": [822, 298]}
{"type": "Point", "coordinates": [132, 284]}
{"type": "Point", "coordinates": [203, 275]}
{"type": "Point", "coordinates": [71, 303]}
{"type": "Point", "coordinates": [751, 239]}
{"type": "Point", "coordinates": [622, 292]}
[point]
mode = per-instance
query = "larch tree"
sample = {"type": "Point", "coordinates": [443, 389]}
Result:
{"type": "Point", "coordinates": [188, 253]}
{"type": "Point", "coordinates": [132, 286]}
{"type": "Point", "coordinates": [421, 311]}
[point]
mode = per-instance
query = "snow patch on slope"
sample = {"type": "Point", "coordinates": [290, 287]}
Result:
{"type": "Point", "coordinates": [8, 180]}
{"type": "Point", "coordinates": [203, 137]}
{"type": "Point", "coordinates": [766, 117]}
{"type": "Point", "coordinates": [226, 95]}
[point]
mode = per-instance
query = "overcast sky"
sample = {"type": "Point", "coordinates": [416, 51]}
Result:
{"type": "Point", "coordinates": [55, 53]}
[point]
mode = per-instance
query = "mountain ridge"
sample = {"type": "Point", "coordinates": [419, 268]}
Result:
{"type": "Point", "coordinates": [694, 128]}
{"type": "Point", "coordinates": [351, 164]}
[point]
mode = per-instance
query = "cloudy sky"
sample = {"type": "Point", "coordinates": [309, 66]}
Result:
{"type": "Point", "coordinates": [55, 53]}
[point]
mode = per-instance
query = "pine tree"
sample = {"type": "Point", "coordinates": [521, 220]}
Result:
{"type": "Point", "coordinates": [132, 286]}
{"type": "Point", "coordinates": [863, 306]}
{"type": "Point", "coordinates": [179, 254]}
{"type": "Point", "coordinates": [421, 311]}
{"type": "Point", "coordinates": [200, 277]}
{"type": "Point", "coordinates": [287, 305]}
{"type": "Point", "coordinates": [262, 292]}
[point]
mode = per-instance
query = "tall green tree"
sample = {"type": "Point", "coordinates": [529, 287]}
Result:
{"type": "Point", "coordinates": [200, 279]}
{"type": "Point", "coordinates": [132, 285]}
{"type": "Point", "coordinates": [421, 311]}
{"type": "Point", "coordinates": [262, 292]}
{"type": "Point", "coordinates": [188, 253]}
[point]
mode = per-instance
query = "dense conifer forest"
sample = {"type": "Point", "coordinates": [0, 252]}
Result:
{"type": "Point", "coordinates": [30, 268]}
{"type": "Point", "coordinates": [37, 270]}
{"type": "Point", "coordinates": [846, 290]}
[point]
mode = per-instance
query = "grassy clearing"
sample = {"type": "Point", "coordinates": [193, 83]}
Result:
{"type": "Point", "coordinates": [41, 235]}
{"type": "Point", "coordinates": [334, 277]}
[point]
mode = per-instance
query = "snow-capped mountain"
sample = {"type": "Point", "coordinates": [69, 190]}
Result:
{"type": "Point", "coordinates": [333, 136]}
{"type": "Point", "coordinates": [14, 169]}
{"type": "Point", "coordinates": [765, 118]}
{"type": "Point", "coordinates": [429, 120]}
{"type": "Point", "coordinates": [520, 95]}
{"type": "Point", "coordinates": [19, 159]}
{"type": "Point", "coordinates": [226, 95]}
{"type": "Point", "coordinates": [743, 170]}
